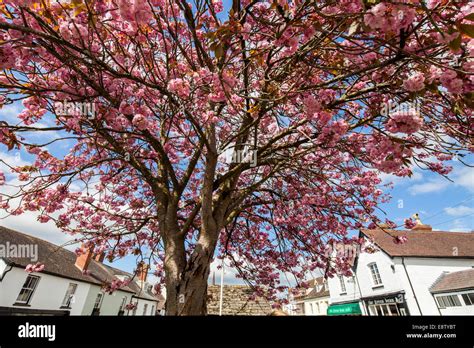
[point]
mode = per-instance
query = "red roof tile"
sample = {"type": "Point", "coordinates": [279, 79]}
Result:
{"type": "Point", "coordinates": [461, 280]}
{"type": "Point", "coordinates": [424, 243]}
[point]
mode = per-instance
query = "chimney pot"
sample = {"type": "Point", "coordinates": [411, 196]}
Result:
{"type": "Point", "coordinates": [99, 257]}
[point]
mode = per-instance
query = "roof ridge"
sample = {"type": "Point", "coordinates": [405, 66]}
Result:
{"type": "Point", "coordinates": [422, 243]}
{"type": "Point", "coordinates": [437, 280]}
{"type": "Point", "coordinates": [34, 237]}
{"type": "Point", "coordinates": [415, 231]}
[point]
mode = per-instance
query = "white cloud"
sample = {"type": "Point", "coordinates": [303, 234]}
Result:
{"type": "Point", "coordinates": [431, 186]}
{"type": "Point", "coordinates": [459, 211]}
{"type": "Point", "coordinates": [461, 176]}
{"type": "Point", "coordinates": [229, 273]}
{"type": "Point", "coordinates": [459, 226]}
{"type": "Point", "coordinates": [12, 159]}
{"type": "Point", "coordinates": [397, 180]}
{"type": "Point", "coordinates": [465, 178]}
{"type": "Point", "coordinates": [10, 112]}
{"type": "Point", "coordinates": [27, 223]}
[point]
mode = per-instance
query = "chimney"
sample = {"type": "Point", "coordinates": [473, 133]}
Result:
{"type": "Point", "coordinates": [99, 257]}
{"type": "Point", "coordinates": [422, 227]}
{"type": "Point", "coordinates": [83, 260]}
{"type": "Point", "coordinates": [142, 271]}
{"type": "Point", "coordinates": [419, 225]}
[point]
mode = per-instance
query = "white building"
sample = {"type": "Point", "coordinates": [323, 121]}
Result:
{"type": "Point", "coordinates": [395, 279]}
{"type": "Point", "coordinates": [313, 300]}
{"type": "Point", "coordinates": [454, 292]}
{"type": "Point", "coordinates": [68, 285]}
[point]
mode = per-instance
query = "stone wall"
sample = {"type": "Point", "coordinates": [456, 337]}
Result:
{"type": "Point", "coordinates": [236, 301]}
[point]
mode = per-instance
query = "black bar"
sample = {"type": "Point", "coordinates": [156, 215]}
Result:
{"type": "Point", "coordinates": [221, 331]}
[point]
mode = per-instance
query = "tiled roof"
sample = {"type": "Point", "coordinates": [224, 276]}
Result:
{"type": "Point", "coordinates": [141, 290]}
{"type": "Point", "coordinates": [60, 262]}
{"type": "Point", "coordinates": [422, 243]}
{"type": "Point", "coordinates": [461, 280]}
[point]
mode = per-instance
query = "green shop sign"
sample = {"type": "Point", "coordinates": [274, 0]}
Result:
{"type": "Point", "coordinates": [345, 309]}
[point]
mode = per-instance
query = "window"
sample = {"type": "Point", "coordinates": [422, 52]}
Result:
{"type": "Point", "coordinates": [468, 298]}
{"type": "Point", "coordinates": [71, 290]}
{"type": "Point", "coordinates": [448, 301]}
{"type": "Point", "coordinates": [28, 289]}
{"type": "Point", "coordinates": [134, 312]}
{"type": "Point", "coordinates": [385, 310]}
{"type": "Point", "coordinates": [375, 274]}
{"type": "Point", "coordinates": [152, 312]}
{"type": "Point", "coordinates": [343, 285]}
{"type": "Point", "coordinates": [98, 301]}
{"type": "Point", "coordinates": [145, 307]}
{"type": "Point", "coordinates": [97, 304]}
{"type": "Point", "coordinates": [122, 306]}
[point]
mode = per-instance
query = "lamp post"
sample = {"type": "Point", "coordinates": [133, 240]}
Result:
{"type": "Point", "coordinates": [222, 288]}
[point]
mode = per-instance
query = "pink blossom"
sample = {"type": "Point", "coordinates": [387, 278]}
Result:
{"type": "Point", "coordinates": [130, 306]}
{"type": "Point", "coordinates": [218, 6]}
{"type": "Point", "coordinates": [432, 3]}
{"type": "Point", "coordinates": [2, 179]}
{"type": "Point", "coordinates": [140, 122]}
{"type": "Point", "coordinates": [37, 267]}
{"type": "Point", "coordinates": [415, 82]}
{"type": "Point", "coordinates": [180, 87]}
{"type": "Point", "coordinates": [409, 223]}
{"type": "Point", "coordinates": [125, 108]}
{"type": "Point", "coordinates": [450, 80]}
{"type": "Point", "coordinates": [407, 122]}
{"type": "Point", "coordinates": [400, 239]}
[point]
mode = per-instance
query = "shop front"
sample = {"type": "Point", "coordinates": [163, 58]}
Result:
{"type": "Point", "coordinates": [387, 305]}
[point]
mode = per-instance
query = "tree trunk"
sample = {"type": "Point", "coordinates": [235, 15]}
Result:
{"type": "Point", "coordinates": [186, 291]}
{"type": "Point", "coordinates": [186, 282]}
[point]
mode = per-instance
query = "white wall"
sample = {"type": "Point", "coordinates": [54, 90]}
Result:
{"type": "Point", "coordinates": [388, 275]}
{"type": "Point", "coordinates": [458, 310]}
{"type": "Point", "coordinates": [423, 272]}
{"type": "Point", "coordinates": [110, 303]}
{"type": "Point", "coordinates": [141, 305]}
{"type": "Point", "coordinates": [49, 292]}
{"type": "Point", "coordinates": [316, 306]}
{"type": "Point", "coordinates": [3, 267]}
{"type": "Point", "coordinates": [335, 290]}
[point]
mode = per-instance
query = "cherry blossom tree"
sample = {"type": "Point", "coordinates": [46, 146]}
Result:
{"type": "Point", "coordinates": [130, 107]}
